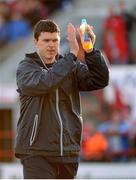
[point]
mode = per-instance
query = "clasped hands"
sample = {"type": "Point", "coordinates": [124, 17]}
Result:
{"type": "Point", "coordinates": [76, 43]}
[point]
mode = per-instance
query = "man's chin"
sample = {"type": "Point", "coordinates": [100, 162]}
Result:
{"type": "Point", "coordinates": [50, 57]}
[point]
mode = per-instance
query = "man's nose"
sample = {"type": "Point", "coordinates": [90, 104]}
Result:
{"type": "Point", "coordinates": [51, 43]}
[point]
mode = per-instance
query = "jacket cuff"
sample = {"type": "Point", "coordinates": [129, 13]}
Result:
{"type": "Point", "coordinates": [90, 53]}
{"type": "Point", "coordinates": [71, 55]}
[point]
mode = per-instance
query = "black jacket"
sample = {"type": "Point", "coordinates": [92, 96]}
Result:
{"type": "Point", "coordinates": [50, 120]}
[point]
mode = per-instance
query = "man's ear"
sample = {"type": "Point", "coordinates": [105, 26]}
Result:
{"type": "Point", "coordinates": [35, 41]}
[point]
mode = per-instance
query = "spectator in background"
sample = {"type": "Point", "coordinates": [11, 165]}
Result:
{"type": "Point", "coordinates": [115, 44]}
{"type": "Point", "coordinates": [18, 5]}
{"type": "Point", "coordinates": [128, 18]}
{"type": "Point", "coordinates": [133, 38]}
{"type": "Point", "coordinates": [17, 17]}
{"type": "Point", "coordinates": [129, 21]}
{"type": "Point", "coordinates": [4, 8]}
{"type": "Point", "coordinates": [18, 27]}
{"type": "Point", "coordinates": [94, 144]}
{"type": "Point", "coordinates": [65, 4]}
{"type": "Point", "coordinates": [114, 97]}
{"type": "Point", "coordinates": [32, 12]}
{"type": "Point", "coordinates": [116, 129]}
{"type": "Point", "coordinates": [3, 30]}
{"type": "Point", "coordinates": [35, 11]}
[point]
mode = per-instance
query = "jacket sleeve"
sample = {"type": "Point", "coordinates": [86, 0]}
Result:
{"type": "Point", "coordinates": [32, 80]}
{"type": "Point", "coordinates": [94, 74]}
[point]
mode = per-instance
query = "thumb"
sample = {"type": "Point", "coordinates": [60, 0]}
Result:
{"type": "Point", "coordinates": [80, 34]}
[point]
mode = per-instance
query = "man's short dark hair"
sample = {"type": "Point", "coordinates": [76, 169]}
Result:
{"type": "Point", "coordinates": [46, 25]}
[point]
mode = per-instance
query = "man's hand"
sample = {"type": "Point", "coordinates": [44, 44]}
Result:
{"type": "Point", "coordinates": [71, 37]}
{"type": "Point", "coordinates": [89, 30]}
{"type": "Point", "coordinates": [91, 34]}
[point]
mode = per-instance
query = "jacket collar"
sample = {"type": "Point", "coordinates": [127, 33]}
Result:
{"type": "Point", "coordinates": [35, 57]}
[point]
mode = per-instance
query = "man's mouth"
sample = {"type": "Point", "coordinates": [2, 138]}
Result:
{"type": "Point", "coordinates": [51, 51]}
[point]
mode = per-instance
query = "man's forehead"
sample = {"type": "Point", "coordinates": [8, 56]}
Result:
{"type": "Point", "coordinates": [49, 35]}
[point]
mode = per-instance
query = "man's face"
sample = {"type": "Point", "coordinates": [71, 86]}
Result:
{"type": "Point", "coordinates": [48, 45]}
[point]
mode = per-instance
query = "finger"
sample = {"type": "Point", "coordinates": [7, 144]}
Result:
{"type": "Point", "coordinates": [90, 27]}
{"type": "Point", "coordinates": [91, 33]}
{"type": "Point", "coordinates": [80, 34]}
{"type": "Point", "coordinates": [79, 31]}
{"type": "Point", "coordinates": [71, 33]}
{"type": "Point", "coordinates": [70, 28]}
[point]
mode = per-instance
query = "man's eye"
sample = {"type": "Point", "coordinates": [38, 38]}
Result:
{"type": "Point", "coordinates": [55, 40]}
{"type": "Point", "coordinates": [46, 40]}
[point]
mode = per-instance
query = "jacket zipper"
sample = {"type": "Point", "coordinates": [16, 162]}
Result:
{"type": "Point", "coordinates": [60, 120]}
{"type": "Point", "coordinates": [34, 129]}
{"type": "Point", "coordinates": [58, 111]}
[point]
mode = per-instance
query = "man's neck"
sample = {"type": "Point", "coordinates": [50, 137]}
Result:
{"type": "Point", "coordinates": [46, 60]}
{"type": "Point", "coordinates": [49, 61]}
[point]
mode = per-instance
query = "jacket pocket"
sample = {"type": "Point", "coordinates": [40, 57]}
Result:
{"type": "Point", "coordinates": [34, 129]}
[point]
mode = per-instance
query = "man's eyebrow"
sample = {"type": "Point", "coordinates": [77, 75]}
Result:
{"type": "Point", "coordinates": [50, 39]}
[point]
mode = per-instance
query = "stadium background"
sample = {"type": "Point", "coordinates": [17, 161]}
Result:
{"type": "Point", "coordinates": [97, 106]}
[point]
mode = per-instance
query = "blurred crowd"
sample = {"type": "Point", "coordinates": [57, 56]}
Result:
{"type": "Point", "coordinates": [119, 34]}
{"type": "Point", "coordinates": [17, 17]}
{"type": "Point", "coordinates": [113, 138]}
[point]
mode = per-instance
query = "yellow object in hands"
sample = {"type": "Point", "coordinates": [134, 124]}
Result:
{"type": "Point", "coordinates": [87, 45]}
{"type": "Point", "coordinates": [86, 40]}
